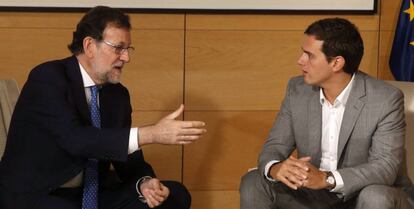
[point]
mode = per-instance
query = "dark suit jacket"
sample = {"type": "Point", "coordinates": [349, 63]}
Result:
{"type": "Point", "coordinates": [51, 136]}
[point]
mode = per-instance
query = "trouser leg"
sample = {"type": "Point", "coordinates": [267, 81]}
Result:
{"type": "Point", "coordinates": [255, 192]}
{"type": "Point", "coordinates": [382, 197]}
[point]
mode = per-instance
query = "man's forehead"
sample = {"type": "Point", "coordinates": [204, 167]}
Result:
{"type": "Point", "coordinates": [311, 44]}
{"type": "Point", "coordinates": [117, 34]}
{"type": "Point", "coordinates": [114, 28]}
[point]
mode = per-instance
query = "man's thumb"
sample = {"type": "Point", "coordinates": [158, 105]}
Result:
{"type": "Point", "coordinates": [176, 113]}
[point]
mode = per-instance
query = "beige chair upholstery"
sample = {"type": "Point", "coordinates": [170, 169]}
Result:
{"type": "Point", "coordinates": [9, 93]}
{"type": "Point", "coordinates": [408, 90]}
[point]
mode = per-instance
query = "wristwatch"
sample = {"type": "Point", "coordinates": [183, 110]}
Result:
{"type": "Point", "coordinates": [330, 180]}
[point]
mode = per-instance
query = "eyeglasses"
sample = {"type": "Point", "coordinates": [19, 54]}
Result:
{"type": "Point", "coordinates": [119, 49]}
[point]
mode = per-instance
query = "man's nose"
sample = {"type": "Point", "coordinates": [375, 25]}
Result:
{"type": "Point", "coordinates": [125, 56]}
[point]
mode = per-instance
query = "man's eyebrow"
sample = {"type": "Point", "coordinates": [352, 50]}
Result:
{"type": "Point", "coordinates": [305, 51]}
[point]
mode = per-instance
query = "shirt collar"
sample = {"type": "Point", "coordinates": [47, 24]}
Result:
{"type": "Point", "coordinates": [343, 96]}
{"type": "Point", "coordinates": [87, 80]}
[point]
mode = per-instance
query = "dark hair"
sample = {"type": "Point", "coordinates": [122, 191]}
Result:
{"type": "Point", "coordinates": [94, 22]}
{"type": "Point", "coordinates": [340, 38]}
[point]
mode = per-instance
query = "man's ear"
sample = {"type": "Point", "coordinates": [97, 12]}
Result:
{"type": "Point", "coordinates": [338, 63]}
{"type": "Point", "coordinates": [89, 46]}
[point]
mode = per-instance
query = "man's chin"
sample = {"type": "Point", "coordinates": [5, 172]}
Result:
{"type": "Point", "coordinates": [307, 80]}
{"type": "Point", "coordinates": [114, 79]}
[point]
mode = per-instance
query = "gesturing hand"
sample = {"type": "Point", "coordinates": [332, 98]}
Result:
{"type": "Point", "coordinates": [171, 131]}
{"type": "Point", "coordinates": [292, 172]}
{"type": "Point", "coordinates": [154, 191]}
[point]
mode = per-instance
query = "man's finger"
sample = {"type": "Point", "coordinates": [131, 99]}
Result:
{"type": "Point", "coordinates": [184, 142]}
{"type": "Point", "coordinates": [191, 131]}
{"type": "Point", "coordinates": [156, 184]}
{"type": "Point", "coordinates": [298, 163]}
{"type": "Point", "coordinates": [192, 124]}
{"type": "Point", "coordinates": [288, 183]}
{"type": "Point", "coordinates": [189, 138]}
{"type": "Point", "coordinates": [165, 191]}
{"type": "Point", "coordinates": [301, 174]}
{"type": "Point", "coordinates": [306, 159]}
{"type": "Point", "coordinates": [152, 201]}
{"type": "Point", "coordinates": [294, 180]}
{"type": "Point", "coordinates": [158, 196]}
{"type": "Point", "coordinates": [147, 195]}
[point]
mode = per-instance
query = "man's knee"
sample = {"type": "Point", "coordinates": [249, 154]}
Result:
{"type": "Point", "coordinates": [179, 195]}
{"type": "Point", "coordinates": [379, 196]}
{"type": "Point", "coordinates": [248, 184]}
{"type": "Point", "coordinates": [255, 191]}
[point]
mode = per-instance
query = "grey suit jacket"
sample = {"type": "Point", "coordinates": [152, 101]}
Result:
{"type": "Point", "coordinates": [371, 138]}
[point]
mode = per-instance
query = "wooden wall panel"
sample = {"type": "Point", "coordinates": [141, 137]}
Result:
{"type": "Point", "coordinates": [165, 21]}
{"type": "Point", "coordinates": [165, 160]}
{"type": "Point", "coordinates": [389, 14]}
{"type": "Point", "coordinates": [39, 20]}
{"type": "Point", "coordinates": [385, 43]}
{"type": "Point", "coordinates": [239, 70]}
{"type": "Point", "coordinates": [154, 76]}
{"type": "Point", "coordinates": [26, 48]}
{"type": "Point", "coordinates": [230, 147]}
{"type": "Point", "coordinates": [215, 199]}
{"type": "Point", "coordinates": [269, 21]}
{"type": "Point", "coordinates": [248, 70]}
{"type": "Point", "coordinates": [369, 63]}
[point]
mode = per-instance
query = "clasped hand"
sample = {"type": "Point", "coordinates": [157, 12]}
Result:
{"type": "Point", "coordinates": [154, 191]}
{"type": "Point", "coordinates": [298, 173]}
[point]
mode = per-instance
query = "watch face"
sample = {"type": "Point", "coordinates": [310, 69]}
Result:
{"type": "Point", "coordinates": [330, 180]}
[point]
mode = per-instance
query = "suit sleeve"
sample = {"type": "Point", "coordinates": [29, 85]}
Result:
{"type": "Point", "coordinates": [386, 152]}
{"type": "Point", "coordinates": [280, 142]}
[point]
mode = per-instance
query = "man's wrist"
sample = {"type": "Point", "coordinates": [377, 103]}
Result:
{"type": "Point", "coordinates": [138, 187]}
{"type": "Point", "coordinates": [269, 175]}
{"type": "Point", "coordinates": [330, 180]}
{"type": "Point", "coordinates": [145, 135]}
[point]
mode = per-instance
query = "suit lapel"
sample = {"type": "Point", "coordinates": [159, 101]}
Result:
{"type": "Point", "coordinates": [315, 127]}
{"type": "Point", "coordinates": [352, 111]}
{"type": "Point", "coordinates": [77, 87]}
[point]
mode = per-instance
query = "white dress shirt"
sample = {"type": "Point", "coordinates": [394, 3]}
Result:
{"type": "Point", "coordinates": [332, 115]}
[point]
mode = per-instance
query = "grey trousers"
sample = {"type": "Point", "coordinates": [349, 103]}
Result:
{"type": "Point", "coordinates": [256, 192]}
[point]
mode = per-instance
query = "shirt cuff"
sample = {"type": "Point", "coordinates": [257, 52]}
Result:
{"type": "Point", "coordinates": [133, 140]}
{"type": "Point", "coordinates": [339, 182]}
{"type": "Point", "coordinates": [267, 169]}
